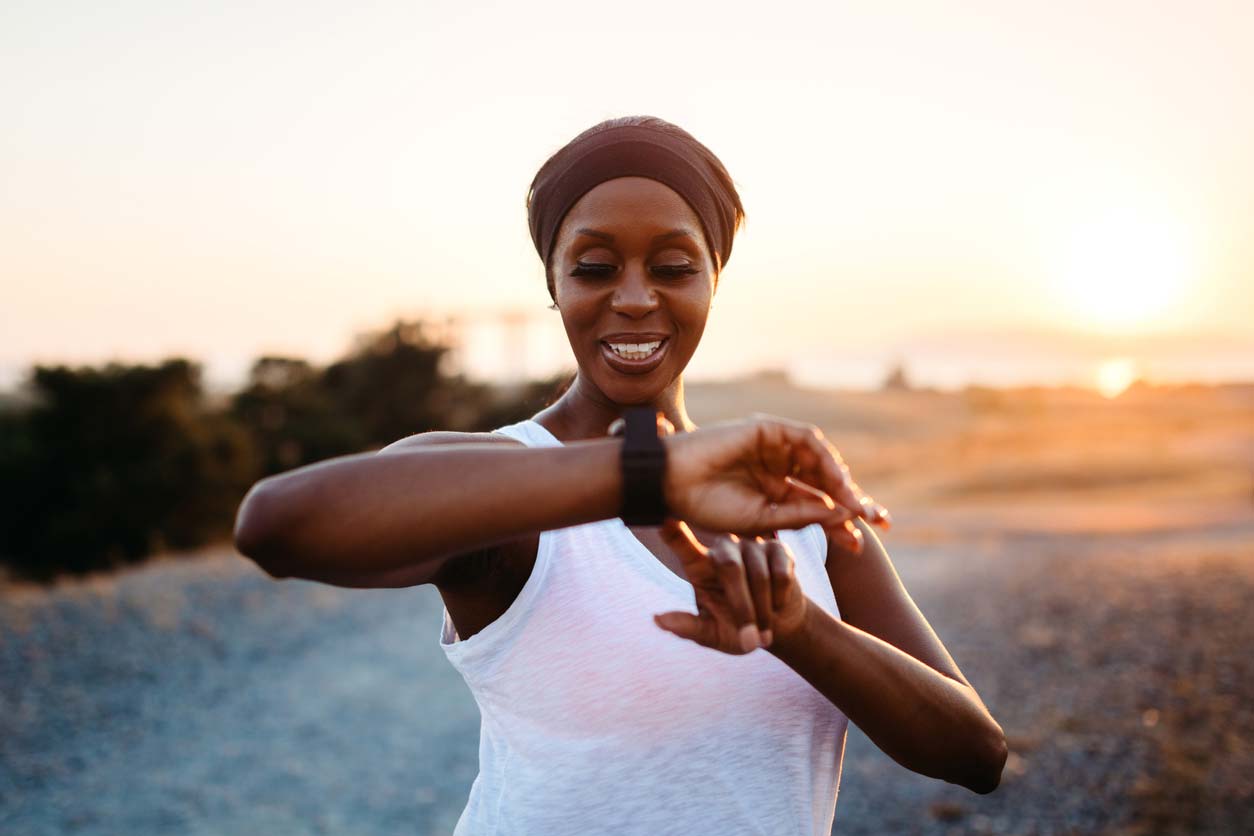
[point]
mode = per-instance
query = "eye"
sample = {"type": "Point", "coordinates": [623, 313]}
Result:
{"type": "Point", "coordinates": [674, 270]}
{"type": "Point", "coordinates": [583, 268]}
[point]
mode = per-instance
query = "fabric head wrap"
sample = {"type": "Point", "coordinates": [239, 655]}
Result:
{"type": "Point", "coordinates": [627, 151]}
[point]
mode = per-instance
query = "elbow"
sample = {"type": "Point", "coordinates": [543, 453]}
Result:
{"type": "Point", "coordinates": [254, 531]}
{"type": "Point", "coordinates": [983, 774]}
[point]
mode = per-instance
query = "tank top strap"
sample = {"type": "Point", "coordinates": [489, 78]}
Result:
{"type": "Point", "coordinates": [531, 433]}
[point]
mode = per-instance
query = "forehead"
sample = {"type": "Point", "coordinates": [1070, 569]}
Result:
{"type": "Point", "coordinates": [631, 203]}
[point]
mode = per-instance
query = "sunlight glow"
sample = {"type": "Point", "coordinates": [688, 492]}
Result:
{"type": "Point", "coordinates": [1115, 375]}
{"type": "Point", "coordinates": [1122, 270]}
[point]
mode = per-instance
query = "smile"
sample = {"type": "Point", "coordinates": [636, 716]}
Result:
{"type": "Point", "coordinates": [636, 351]}
{"type": "Point", "coordinates": [634, 358]}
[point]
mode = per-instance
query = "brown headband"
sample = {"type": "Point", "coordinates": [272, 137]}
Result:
{"type": "Point", "coordinates": [630, 151]}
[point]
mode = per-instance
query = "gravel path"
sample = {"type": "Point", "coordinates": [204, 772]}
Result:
{"type": "Point", "coordinates": [199, 696]}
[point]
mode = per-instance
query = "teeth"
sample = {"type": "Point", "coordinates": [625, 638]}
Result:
{"type": "Point", "coordinates": [635, 351]}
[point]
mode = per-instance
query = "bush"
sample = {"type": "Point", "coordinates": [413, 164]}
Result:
{"type": "Point", "coordinates": [109, 465]}
{"type": "Point", "coordinates": [103, 467]}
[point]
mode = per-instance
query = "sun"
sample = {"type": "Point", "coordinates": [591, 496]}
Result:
{"type": "Point", "coordinates": [1115, 375]}
{"type": "Point", "coordinates": [1124, 269]}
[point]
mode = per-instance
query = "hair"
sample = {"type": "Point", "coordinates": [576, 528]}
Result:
{"type": "Point", "coordinates": [716, 167]}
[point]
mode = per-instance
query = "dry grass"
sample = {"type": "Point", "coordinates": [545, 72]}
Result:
{"type": "Point", "coordinates": [1035, 459]}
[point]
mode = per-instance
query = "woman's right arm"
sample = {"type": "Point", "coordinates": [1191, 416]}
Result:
{"type": "Point", "coordinates": [419, 501]}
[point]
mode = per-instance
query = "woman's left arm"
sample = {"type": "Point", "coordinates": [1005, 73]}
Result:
{"type": "Point", "coordinates": [885, 668]}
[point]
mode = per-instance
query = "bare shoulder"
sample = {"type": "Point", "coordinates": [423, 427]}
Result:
{"type": "Point", "coordinates": [434, 437]}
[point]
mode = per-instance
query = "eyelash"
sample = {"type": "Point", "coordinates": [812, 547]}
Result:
{"type": "Point", "coordinates": [601, 270]}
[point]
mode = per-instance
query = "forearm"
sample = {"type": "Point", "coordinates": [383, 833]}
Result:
{"type": "Point", "coordinates": [373, 512]}
{"type": "Point", "coordinates": [924, 720]}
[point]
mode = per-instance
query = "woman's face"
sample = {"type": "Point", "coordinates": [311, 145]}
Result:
{"type": "Point", "coordinates": [633, 279]}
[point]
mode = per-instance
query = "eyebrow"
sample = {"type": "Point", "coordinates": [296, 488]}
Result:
{"type": "Point", "coordinates": [605, 236]}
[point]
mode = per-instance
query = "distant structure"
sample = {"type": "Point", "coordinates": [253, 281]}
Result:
{"type": "Point", "coordinates": [896, 380]}
{"type": "Point", "coordinates": [511, 325]}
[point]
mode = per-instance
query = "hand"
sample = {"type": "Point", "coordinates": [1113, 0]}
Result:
{"type": "Point", "coordinates": [746, 590]}
{"type": "Point", "coordinates": [764, 473]}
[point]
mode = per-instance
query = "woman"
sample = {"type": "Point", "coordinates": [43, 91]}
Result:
{"type": "Point", "coordinates": [724, 712]}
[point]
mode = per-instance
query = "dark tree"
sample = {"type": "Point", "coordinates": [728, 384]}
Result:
{"type": "Point", "coordinates": [292, 417]}
{"type": "Point", "coordinates": [112, 464]}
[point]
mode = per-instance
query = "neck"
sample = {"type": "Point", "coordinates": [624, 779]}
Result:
{"type": "Point", "coordinates": [584, 412]}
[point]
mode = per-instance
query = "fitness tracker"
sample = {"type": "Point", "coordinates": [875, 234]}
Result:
{"type": "Point", "coordinates": [643, 467]}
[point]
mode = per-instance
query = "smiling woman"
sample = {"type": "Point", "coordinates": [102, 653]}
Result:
{"type": "Point", "coordinates": [619, 668]}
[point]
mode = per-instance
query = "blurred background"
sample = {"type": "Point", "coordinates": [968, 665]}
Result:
{"type": "Point", "coordinates": [1000, 252]}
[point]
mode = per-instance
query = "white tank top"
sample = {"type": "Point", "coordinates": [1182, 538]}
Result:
{"type": "Point", "coordinates": [595, 720]}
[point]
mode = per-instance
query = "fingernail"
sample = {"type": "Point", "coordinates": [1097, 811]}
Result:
{"type": "Point", "coordinates": [767, 637]}
{"type": "Point", "coordinates": [749, 638]}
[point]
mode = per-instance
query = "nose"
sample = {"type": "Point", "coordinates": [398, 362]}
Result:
{"type": "Point", "coordinates": [633, 295]}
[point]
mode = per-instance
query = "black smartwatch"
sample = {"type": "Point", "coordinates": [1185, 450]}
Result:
{"type": "Point", "coordinates": [643, 467]}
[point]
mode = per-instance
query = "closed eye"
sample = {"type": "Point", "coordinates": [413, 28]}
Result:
{"type": "Point", "coordinates": [668, 270]}
{"type": "Point", "coordinates": [585, 269]}
{"type": "Point", "coordinates": [674, 270]}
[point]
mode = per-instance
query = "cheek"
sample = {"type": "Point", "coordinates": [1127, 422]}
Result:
{"type": "Point", "coordinates": [580, 315]}
{"type": "Point", "coordinates": [694, 307]}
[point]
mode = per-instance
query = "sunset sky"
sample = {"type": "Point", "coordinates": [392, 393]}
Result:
{"type": "Point", "coordinates": [990, 192]}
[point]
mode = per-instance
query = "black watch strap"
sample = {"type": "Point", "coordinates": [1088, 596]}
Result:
{"type": "Point", "coordinates": [643, 467]}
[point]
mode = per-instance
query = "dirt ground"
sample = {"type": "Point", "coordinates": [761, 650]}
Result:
{"type": "Point", "coordinates": [1089, 563]}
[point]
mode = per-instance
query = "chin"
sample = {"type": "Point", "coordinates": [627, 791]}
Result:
{"type": "Point", "coordinates": [633, 394]}
{"type": "Point", "coordinates": [622, 389]}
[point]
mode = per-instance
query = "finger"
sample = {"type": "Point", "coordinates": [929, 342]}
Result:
{"type": "Point", "coordinates": [819, 462]}
{"type": "Point", "coordinates": [730, 569]}
{"type": "Point", "coordinates": [758, 576]}
{"type": "Point", "coordinates": [616, 427]}
{"type": "Point", "coordinates": [798, 510]}
{"type": "Point", "coordinates": [852, 527]}
{"type": "Point", "coordinates": [848, 536]}
{"type": "Point", "coordinates": [838, 482]}
{"type": "Point", "coordinates": [875, 513]}
{"type": "Point", "coordinates": [686, 626]}
{"type": "Point", "coordinates": [878, 513]}
{"type": "Point", "coordinates": [783, 572]}
{"type": "Point", "coordinates": [778, 459]}
{"type": "Point", "coordinates": [795, 484]}
{"type": "Point", "coordinates": [676, 534]}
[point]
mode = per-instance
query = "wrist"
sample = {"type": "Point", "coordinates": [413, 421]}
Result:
{"type": "Point", "coordinates": [594, 467]}
{"type": "Point", "coordinates": [789, 640]}
{"type": "Point", "coordinates": [643, 466]}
